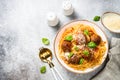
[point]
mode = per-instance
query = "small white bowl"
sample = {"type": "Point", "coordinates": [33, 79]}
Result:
{"type": "Point", "coordinates": [109, 14]}
{"type": "Point", "coordinates": [59, 34]}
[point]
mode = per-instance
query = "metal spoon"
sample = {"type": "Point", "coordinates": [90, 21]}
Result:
{"type": "Point", "coordinates": [45, 55]}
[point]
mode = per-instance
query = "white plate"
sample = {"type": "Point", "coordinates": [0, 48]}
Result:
{"type": "Point", "coordinates": [59, 34]}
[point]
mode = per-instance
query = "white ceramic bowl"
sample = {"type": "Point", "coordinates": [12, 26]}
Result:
{"type": "Point", "coordinates": [59, 34]}
{"type": "Point", "coordinates": [106, 14]}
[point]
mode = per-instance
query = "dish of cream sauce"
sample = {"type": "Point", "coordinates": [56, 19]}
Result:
{"type": "Point", "coordinates": [111, 21]}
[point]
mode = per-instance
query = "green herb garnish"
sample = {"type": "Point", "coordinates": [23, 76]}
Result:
{"type": "Point", "coordinates": [76, 48]}
{"type": "Point", "coordinates": [81, 60]}
{"type": "Point", "coordinates": [70, 54]}
{"type": "Point", "coordinates": [43, 69]}
{"type": "Point", "coordinates": [45, 41]}
{"type": "Point", "coordinates": [96, 18]}
{"type": "Point", "coordinates": [86, 32]}
{"type": "Point", "coordinates": [86, 52]}
{"type": "Point", "coordinates": [92, 45]}
{"type": "Point", "coordinates": [69, 38]}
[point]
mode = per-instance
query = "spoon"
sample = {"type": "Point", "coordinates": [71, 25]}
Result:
{"type": "Point", "coordinates": [45, 55]}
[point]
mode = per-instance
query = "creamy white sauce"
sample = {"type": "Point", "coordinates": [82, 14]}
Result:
{"type": "Point", "coordinates": [112, 21]}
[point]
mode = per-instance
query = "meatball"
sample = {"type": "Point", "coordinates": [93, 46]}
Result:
{"type": "Point", "coordinates": [91, 57]}
{"type": "Point", "coordinates": [95, 38]}
{"type": "Point", "coordinates": [74, 59]}
{"type": "Point", "coordinates": [87, 54]}
{"type": "Point", "coordinates": [66, 46]}
{"type": "Point", "coordinates": [88, 57]}
{"type": "Point", "coordinates": [80, 39]}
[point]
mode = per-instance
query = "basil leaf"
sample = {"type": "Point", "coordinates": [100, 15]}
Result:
{"type": "Point", "coordinates": [96, 18]}
{"type": "Point", "coordinates": [43, 69]}
{"type": "Point", "coordinates": [70, 55]}
{"type": "Point", "coordinates": [76, 48]}
{"type": "Point", "coordinates": [92, 45]}
{"type": "Point", "coordinates": [86, 52]}
{"type": "Point", "coordinates": [69, 38]}
{"type": "Point", "coordinates": [45, 41]}
{"type": "Point", "coordinates": [86, 32]}
{"type": "Point", "coordinates": [81, 60]}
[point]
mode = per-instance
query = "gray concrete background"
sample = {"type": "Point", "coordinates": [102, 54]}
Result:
{"type": "Point", "coordinates": [23, 24]}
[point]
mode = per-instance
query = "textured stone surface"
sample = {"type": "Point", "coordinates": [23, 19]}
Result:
{"type": "Point", "coordinates": [23, 24]}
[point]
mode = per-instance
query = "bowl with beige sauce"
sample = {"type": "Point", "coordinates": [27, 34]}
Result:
{"type": "Point", "coordinates": [111, 21]}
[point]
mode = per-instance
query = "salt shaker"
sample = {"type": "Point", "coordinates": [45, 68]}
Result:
{"type": "Point", "coordinates": [52, 19]}
{"type": "Point", "coordinates": [67, 8]}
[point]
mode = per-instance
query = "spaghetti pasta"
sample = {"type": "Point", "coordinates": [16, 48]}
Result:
{"type": "Point", "coordinates": [82, 47]}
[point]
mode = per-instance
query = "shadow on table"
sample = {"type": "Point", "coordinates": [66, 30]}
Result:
{"type": "Point", "coordinates": [57, 27]}
{"type": "Point", "coordinates": [75, 15]}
